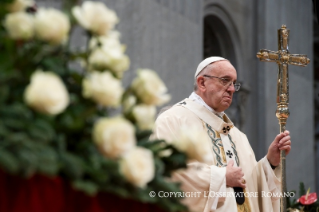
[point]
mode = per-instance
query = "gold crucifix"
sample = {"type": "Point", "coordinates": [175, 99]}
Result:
{"type": "Point", "coordinates": [283, 59]}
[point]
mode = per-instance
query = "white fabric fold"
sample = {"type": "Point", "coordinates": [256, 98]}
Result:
{"type": "Point", "coordinates": [274, 182]}
{"type": "Point", "coordinates": [219, 185]}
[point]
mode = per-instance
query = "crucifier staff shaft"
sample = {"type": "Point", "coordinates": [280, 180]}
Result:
{"type": "Point", "coordinates": [282, 111]}
{"type": "Point", "coordinates": [283, 59]}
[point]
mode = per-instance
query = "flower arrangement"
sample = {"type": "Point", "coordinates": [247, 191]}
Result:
{"type": "Point", "coordinates": [81, 123]}
{"type": "Point", "coordinates": [306, 203]}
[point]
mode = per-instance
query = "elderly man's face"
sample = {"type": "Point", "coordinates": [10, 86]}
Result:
{"type": "Point", "coordinates": [216, 94]}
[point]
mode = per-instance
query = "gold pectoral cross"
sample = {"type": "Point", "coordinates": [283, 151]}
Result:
{"type": "Point", "coordinates": [283, 59]}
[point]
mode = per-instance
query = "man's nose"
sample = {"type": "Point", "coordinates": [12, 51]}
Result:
{"type": "Point", "coordinates": [231, 87]}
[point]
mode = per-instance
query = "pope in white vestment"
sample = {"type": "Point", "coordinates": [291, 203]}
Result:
{"type": "Point", "coordinates": [229, 148]}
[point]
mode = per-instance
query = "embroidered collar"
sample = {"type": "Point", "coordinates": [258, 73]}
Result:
{"type": "Point", "coordinates": [222, 125]}
{"type": "Point", "coordinates": [199, 100]}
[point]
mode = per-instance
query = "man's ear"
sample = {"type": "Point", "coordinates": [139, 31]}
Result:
{"type": "Point", "coordinates": [201, 83]}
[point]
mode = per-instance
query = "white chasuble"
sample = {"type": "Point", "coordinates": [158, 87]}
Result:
{"type": "Point", "coordinates": [206, 181]}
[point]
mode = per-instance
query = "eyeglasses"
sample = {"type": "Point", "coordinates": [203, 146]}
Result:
{"type": "Point", "coordinates": [226, 82]}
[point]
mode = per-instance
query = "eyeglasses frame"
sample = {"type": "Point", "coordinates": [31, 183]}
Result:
{"type": "Point", "coordinates": [222, 79]}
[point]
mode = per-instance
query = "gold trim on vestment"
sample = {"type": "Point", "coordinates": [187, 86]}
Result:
{"type": "Point", "coordinates": [245, 207]}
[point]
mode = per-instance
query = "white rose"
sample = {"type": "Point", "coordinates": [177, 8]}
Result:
{"type": "Point", "coordinates": [149, 88]}
{"type": "Point", "coordinates": [195, 143]}
{"type": "Point", "coordinates": [108, 53]}
{"type": "Point", "coordinates": [52, 26]}
{"type": "Point", "coordinates": [144, 116]}
{"type": "Point", "coordinates": [137, 166]}
{"type": "Point", "coordinates": [120, 65]}
{"type": "Point", "coordinates": [19, 25]}
{"type": "Point", "coordinates": [95, 17]}
{"type": "Point", "coordinates": [113, 36]}
{"type": "Point", "coordinates": [110, 41]}
{"type": "Point", "coordinates": [114, 136]}
{"type": "Point", "coordinates": [19, 5]}
{"type": "Point", "coordinates": [98, 59]}
{"type": "Point", "coordinates": [103, 88]}
{"type": "Point", "coordinates": [46, 93]}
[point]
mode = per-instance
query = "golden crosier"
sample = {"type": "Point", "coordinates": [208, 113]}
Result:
{"type": "Point", "coordinates": [46, 93]}
{"type": "Point", "coordinates": [283, 58]}
{"type": "Point", "coordinates": [114, 136]}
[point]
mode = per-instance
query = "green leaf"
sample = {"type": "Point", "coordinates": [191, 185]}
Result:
{"type": "Point", "coordinates": [176, 160]}
{"type": "Point", "coordinates": [155, 146]}
{"type": "Point", "coordinates": [71, 122]}
{"type": "Point", "coordinates": [143, 134]}
{"type": "Point", "coordinates": [118, 190]}
{"type": "Point", "coordinates": [7, 47]}
{"type": "Point", "coordinates": [48, 161]}
{"type": "Point", "coordinates": [14, 123]}
{"type": "Point", "coordinates": [6, 1]}
{"type": "Point", "coordinates": [60, 142]}
{"type": "Point", "coordinates": [3, 130]}
{"type": "Point", "coordinates": [88, 187]}
{"type": "Point", "coordinates": [72, 165]}
{"type": "Point", "coordinates": [302, 190]}
{"type": "Point", "coordinates": [17, 138]}
{"type": "Point", "coordinates": [290, 203]}
{"type": "Point", "coordinates": [143, 195]}
{"type": "Point", "coordinates": [41, 130]}
{"type": "Point", "coordinates": [8, 161]}
{"type": "Point", "coordinates": [4, 93]}
{"type": "Point", "coordinates": [28, 161]}
{"type": "Point", "coordinates": [94, 169]}
{"type": "Point", "coordinates": [55, 64]}
{"type": "Point", "coordinates": [159, 166]}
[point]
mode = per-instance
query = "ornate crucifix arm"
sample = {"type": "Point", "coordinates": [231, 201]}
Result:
{"type": "Point", "coordinates": [268, 56]}
{"type": "Point", "coordinates": [299, 60]}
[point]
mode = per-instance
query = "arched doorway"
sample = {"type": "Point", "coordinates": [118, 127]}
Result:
{"type": "Point", "coordinates": [217, 41]}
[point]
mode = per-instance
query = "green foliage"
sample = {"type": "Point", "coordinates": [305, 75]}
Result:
{"type": "Point", "coordinates": [302, 190]}
{"type": "Point", "coordinates": [33, 143]}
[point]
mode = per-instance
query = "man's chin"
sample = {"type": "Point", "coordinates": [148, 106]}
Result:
{"type": "Point", "coordinates": [226, 104]}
